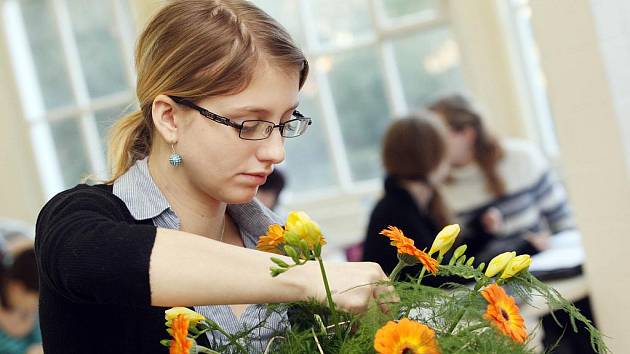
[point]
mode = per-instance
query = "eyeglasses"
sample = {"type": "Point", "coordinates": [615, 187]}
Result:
{"type": "Point", "coordinates": [254, 129]}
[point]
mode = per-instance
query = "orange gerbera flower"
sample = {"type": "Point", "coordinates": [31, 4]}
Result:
{"type": "Point", "coordinates": [272, 240]}
{"type": "Point", "coordinates": [405, 337]}
{"type": "Point", "coordinates": [427, 261]}
{"type": "Point", "coordinates": [179, 330]}
{"type": "Point", "coordinates": [503, 313]}
{"type": "Point", "coordinates": [405, 245]}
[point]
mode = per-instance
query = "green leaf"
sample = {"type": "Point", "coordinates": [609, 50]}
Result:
{"type": "Point", "coordinates": [277, 271]}
{"type": "Point", "coordinates": [279, 262]}
{"type": "Point", "coordinates": [291, 252]}
{"type": "Point", "coordinates": [461, 260]}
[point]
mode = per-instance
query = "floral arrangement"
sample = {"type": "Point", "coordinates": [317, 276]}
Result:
{"type": "Point", "coordinates": [478, 317]}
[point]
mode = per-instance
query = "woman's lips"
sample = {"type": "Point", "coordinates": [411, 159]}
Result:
{"type": "Point", "coordinates": [255, 178]}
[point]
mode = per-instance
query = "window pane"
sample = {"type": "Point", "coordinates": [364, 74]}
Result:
{"type": "Point", "coordinates": [287, 13]}
{"type": "Point", "coordinates": [47, 53]}
{"type": "Point", "coordinates": [399, 8]}
{"type": "Point", "coordinates": [308, 163]}
{"type": "Point", "coordinates": [97, 39]}
{"type": "Point", "coordinates": [70, 151]}
{"type": "Point", "coordinates": [357, 86]}
{"type": "Point", "coordinates": [429, 66]}
{"type": "Point", "coordinates": [340, 22]}
{"type": "Point", "coordinates": [105, 118]}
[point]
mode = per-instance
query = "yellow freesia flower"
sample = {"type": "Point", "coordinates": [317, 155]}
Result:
{"type": "Point", "coordinates": [498, 263]}
{"type": "Point", "coordinates": [445, 239]}
{"type": "Point", "coordinates": [516, 265]}
{"type": "Point", "coordinates": [308, 230]}
{"type": "Point", "coordinates": [188, 314]}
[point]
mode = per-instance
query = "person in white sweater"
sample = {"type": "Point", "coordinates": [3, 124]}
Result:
{"type": "Point", "coordinates": [508, 186]}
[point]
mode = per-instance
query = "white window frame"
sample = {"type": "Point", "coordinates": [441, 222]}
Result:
{"type": "Point", "coordinates": [84, 107]}
{"type": "Point", "coordinates": [385, 32]}
{"type": "Point", "coordinates": [531, 82]}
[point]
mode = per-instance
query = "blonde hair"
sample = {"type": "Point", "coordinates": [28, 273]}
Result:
{"type": "Point", "coordinates": [197, 49]}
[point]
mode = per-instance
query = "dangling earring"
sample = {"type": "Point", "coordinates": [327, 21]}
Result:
{"type": "Point", "coordinates": [175, 159]}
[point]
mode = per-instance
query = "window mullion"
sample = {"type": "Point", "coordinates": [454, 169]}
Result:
{"type": "Point", "coordinates": [332, 129]}
{"type": "Point", "coordinates": [79, 87]}
{"type": "Point", "coordinates": [126, 34]}
{"type": "Point", "coordinates": [31, 99]}
{"type": "Point", "coordinates": [393, 83]}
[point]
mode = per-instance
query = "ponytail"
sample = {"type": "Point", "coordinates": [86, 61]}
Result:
{"type": "Point", "coordinates": [129, 141]}
{"type": "Point", "coordinates": [438, 210]}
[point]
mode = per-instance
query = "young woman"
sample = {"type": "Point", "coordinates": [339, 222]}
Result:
{"type": "Point", "coordinates": [509, 177]}
{"type": "Point", "coordinates": [415, 157]}
{"type": "Point", "coordinates": [217, 87]}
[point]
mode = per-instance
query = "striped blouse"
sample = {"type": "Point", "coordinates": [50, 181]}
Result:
{"type": "Point", "coordinates": [145, 201]}
{"type": "Point", "coordinates": [535, 199]}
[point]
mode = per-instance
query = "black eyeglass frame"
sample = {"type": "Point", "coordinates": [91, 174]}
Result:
{"type": "Point", "coordinates": [239, 126]}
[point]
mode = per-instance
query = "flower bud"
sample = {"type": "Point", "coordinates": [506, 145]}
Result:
{"type": "Point", "coordinates": [459, 251]}
{"type": "Point", "coordinates": [189, 314]}
{"type": "Point", "coordinates": [516, 265]}
{"type": "Point", "coordinates": [445, 239]}
{"type": "Point", "coordinates": [498, 263]}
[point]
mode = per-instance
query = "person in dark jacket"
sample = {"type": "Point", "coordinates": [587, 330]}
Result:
{"type": "Point", "coordinates": [415, 158]}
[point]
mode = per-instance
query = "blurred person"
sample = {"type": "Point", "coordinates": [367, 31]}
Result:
{"type": "Point", "coordinates": [509, 188]}
{"type": "Point", "coordinates": [415, 158]}
{"type": "Point", "coordinates": [509, 180]}
{"type": "Point", "coordinates": [217, 87]}
{"type": "Point", "coordinates": [15, 236]}
{"type": "Point", "coordinates": [269, 193]}
{"type": "Point", "coordinates": [19, 293]}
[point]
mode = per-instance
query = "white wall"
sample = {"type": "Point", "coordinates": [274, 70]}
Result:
{"type": "Point", "coordinates": [612, 21]}
{"type": "Point", "coordinates": [585, 71]}
{"type": "Point", "coordinates": [20, 193]}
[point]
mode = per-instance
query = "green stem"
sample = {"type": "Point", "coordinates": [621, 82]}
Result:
{"type": "Point", "coordinates": [331, 304]}
{"type": "Point", "coordinates": [424, 270]}
{"type": "Point", "coordinates": [476, 327]}
{"type": "Point", "coordinates": [394, 275]}
{"type": "Point", "coordinates": [202, 349]}
{"type": "Point", "coordinates": [460, 315]}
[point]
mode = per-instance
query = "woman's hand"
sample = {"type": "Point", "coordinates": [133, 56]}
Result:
{"type": "Point", "coordinates": [540, 240]}
{"type": "Point", "coordinates": [492, 220]}
{"type": "Point", "coordinates": [353, 285]}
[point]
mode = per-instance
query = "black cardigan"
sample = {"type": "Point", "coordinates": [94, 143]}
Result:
{"type": "Point", "coordinates": [397, 208]}
{"type": "Point", "coordinates": [93, 259]}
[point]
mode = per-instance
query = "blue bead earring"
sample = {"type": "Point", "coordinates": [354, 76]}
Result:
{"type": "Point", "coordinates": [175, 159]}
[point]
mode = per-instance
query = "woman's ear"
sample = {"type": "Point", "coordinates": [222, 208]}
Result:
{"type": "Point", "coordinates": [163, 114]}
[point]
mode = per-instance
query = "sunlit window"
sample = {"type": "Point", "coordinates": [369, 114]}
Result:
{"type": "Point", "coordinates": [372, 60]}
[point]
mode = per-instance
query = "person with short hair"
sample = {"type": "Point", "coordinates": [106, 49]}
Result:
{"type": "Point", "coordinates": [415, 157]}
{"type": "Point", "coordinates": [19, 292]}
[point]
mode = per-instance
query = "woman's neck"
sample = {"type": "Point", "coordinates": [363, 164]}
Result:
{"type": "Point", "coordinates": [420, 191]}
{"type": "Point", "coordinates": [197, 212]}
